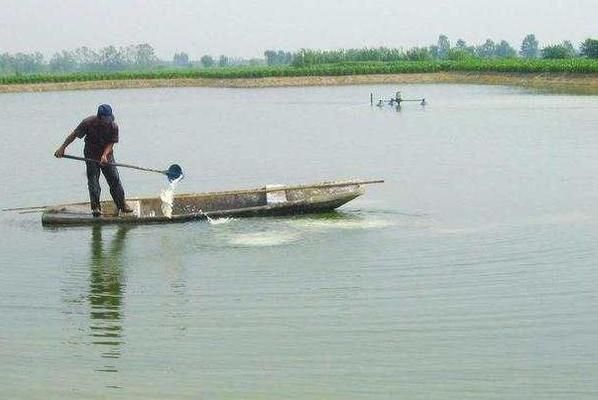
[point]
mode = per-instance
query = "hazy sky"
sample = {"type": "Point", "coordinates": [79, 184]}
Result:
{"type": "Point", "coordinates": [245, 28]}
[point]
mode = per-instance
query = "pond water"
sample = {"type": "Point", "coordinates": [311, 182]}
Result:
{"type": "Point", "coordinates": [470, 273]}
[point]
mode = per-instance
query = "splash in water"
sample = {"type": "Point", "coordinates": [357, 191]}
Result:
{"type": "Point", "coordinates": [216, 221]}
{"type": "Point", "coordinates": [167, 197]}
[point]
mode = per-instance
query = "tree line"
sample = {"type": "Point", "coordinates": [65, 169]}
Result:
{"type": "Point", "coordinates": [445, 50]}
{"type": "Point", "coordinates": [109, 59]}
{"type": "Point", "coordinates": [143, 57]}
{"type": "Point", "coordinates": [82, 59]}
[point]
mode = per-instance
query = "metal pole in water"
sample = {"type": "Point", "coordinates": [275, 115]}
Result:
{"type": "Point", "coordinates": [371, 99]}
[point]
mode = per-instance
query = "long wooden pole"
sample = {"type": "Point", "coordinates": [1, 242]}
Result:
{"type": "Point", "coordinates": [25, 208]}
{"type": "Point", "coordinates": [290, 187]}
{"type": "Point", "coordinates": [116, 164]}
{"type": "Point", "coordinates": [323, 185]}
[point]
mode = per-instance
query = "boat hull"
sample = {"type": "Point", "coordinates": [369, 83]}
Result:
{"type": "Point", "coordinates": [266, 201]}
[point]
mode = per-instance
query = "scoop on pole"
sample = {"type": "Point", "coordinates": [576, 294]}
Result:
{"type": "Point", "coordinates": [173, 172]}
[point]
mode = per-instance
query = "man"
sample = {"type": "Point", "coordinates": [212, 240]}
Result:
{"type": "Point", "coordinates": [100, 133]}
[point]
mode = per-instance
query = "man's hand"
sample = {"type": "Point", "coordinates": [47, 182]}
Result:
{"type": "Point", "coordinates": [104, 159]}
{"type": "Point", "coordinates": [59, 153]}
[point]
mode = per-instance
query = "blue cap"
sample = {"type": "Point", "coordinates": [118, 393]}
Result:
{"type": "Point", "coordinates": [104, 110]}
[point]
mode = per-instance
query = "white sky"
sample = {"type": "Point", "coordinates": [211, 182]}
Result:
{"type": "Point", "coordinates": [246, 28]}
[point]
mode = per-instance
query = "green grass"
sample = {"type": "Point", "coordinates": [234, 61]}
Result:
{"type": "Point", "coordinates": [577, 65]}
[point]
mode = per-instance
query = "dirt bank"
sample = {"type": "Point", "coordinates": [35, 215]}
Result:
{"type": "Point", "coordinates": [565, 83]}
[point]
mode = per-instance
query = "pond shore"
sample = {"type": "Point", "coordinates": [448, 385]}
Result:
{"type": "Point", "coordinates": [565, 83]}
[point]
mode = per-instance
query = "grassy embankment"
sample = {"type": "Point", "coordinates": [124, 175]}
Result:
{"type": "Point", "coordinates": [578, 73]}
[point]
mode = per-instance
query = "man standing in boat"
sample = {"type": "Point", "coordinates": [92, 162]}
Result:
{"type": "Point", "coordinates": [100, 133]}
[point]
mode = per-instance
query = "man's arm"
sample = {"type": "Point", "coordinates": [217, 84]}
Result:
{"type": "Point", "coordinates": [69, 139]}
{"type": "Point", "coordinates": [106, 153]}
{"type": "Point", "coordinates": [110, 145]}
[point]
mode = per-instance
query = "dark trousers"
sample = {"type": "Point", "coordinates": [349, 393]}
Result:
{"type": "Point", "coordinates": [93, 183]}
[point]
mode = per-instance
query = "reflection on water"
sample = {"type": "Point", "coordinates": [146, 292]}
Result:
{"type": "Point", "coordinates": [106, 289]}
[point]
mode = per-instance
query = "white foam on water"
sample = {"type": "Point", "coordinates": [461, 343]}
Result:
{"type": "Point", "coordinates": [264, 239]}
{"type": "Point", "coordinates": [326, 224]}
{"type": "Point", "coordinates": [219, 221]}
{"type": "Point", "coordinates": [167, 197]}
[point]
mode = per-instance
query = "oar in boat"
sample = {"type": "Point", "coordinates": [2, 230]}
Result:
{"type": "Point", "coordinates": [173, 172]}
{"type": "Point", "coordinates": [26, 209]}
